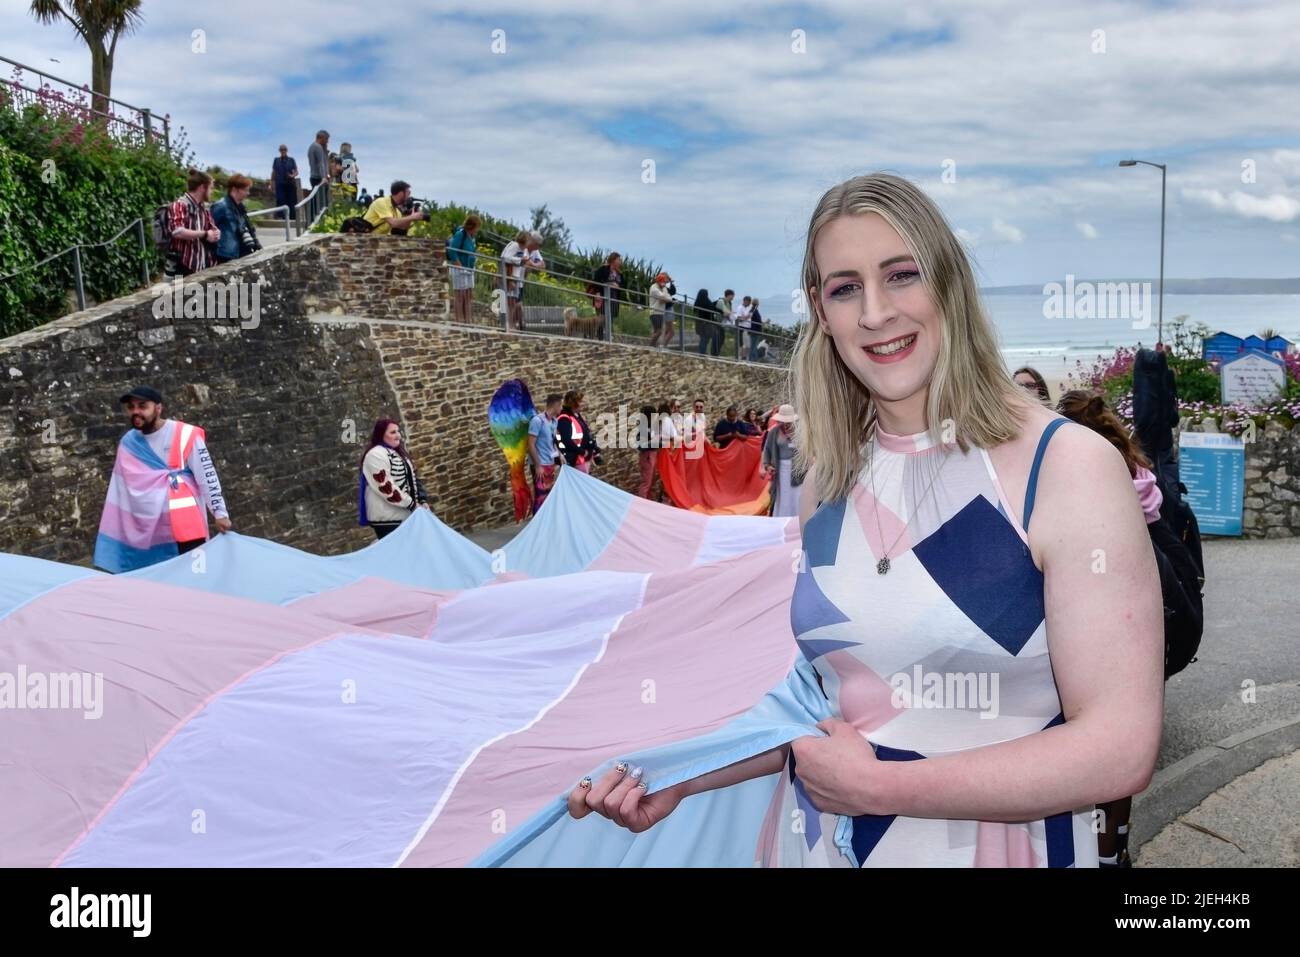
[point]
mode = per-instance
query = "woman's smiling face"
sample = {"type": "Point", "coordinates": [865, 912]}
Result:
{"type": "Point", "coordinates": [873, 304]}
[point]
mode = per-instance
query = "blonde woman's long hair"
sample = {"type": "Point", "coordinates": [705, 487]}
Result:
{"type": "Point", "coordinates": [970, 386]}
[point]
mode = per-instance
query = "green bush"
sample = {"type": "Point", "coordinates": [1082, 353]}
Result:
{"type": "Point", "coordinates": [1195, 381]}
{"type": "Point", "coordinates": [64, 182]}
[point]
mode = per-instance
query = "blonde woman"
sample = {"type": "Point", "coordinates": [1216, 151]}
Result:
{"type": "Point", "coordinates": [982, 666]}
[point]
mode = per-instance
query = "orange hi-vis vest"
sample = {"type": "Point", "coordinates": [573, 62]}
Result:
{"type": "Point", "coordinates": [189, 521]}
{"type": "Point", "coordinates": [576, 434]}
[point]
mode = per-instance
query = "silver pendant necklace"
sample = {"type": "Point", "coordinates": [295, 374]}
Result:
{"type": "Point", "coordinates": [882, 566]}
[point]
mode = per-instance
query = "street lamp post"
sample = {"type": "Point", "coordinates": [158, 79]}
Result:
{"type": "Point", "coordinates": [1160, 323]}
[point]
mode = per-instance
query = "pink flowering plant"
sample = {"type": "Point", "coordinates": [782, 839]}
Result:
{"type": "Point", "coordinates": [1196, 381]}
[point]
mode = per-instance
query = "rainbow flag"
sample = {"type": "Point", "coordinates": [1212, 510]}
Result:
{"type": "Point", "coordinates": [509, 413]}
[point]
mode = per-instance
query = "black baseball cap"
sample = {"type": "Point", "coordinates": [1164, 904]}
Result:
{"type": "Point", "coordinates": [145, 392]}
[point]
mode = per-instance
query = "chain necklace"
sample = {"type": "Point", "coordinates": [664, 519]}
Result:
{"type": "Point", "coordinates": [882, 566]}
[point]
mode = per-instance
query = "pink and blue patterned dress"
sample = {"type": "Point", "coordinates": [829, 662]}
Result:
{"type": "Point", "coordinates": [944, 652]}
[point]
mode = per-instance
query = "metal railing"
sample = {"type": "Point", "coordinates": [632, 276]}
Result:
{"type": "Point", "coordinates": [304, 214]}
{"type": "Point", "coordinates": [530, 305]}
{"type": "Point", "coordinates": [79, 281]}
{"type": "Point", "coordinates": [288, 235]}
{"type": "Point", "coordinates": [714, 334]}
{"type": "Point", "coordinates": [138, 125]}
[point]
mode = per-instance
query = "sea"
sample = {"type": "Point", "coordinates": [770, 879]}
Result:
{"type": "Point", "coordinates": [1055, 345]}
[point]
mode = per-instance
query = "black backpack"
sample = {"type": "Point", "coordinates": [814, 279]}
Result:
{"type": "Point", "coordinates": [162, 227]}
{"type": "Point", "coordinates": [356, 224]}
{"type": "Point", "coordinates": [1176, 540]}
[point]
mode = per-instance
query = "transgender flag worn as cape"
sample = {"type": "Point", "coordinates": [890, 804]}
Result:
{"type": "Point", "coordinates": [418, 702]}
{"type": "Point", "coordinates": [135, 529]}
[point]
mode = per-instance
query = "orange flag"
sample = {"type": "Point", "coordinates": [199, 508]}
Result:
{"type": "Point", "coordinates": [715, 481]}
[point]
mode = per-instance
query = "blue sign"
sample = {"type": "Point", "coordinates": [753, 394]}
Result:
{"type": "Point", "coordinates": [1213, 467]}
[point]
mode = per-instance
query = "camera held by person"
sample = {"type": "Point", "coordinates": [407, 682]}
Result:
{"type": "Point", "coordinates": [396, 212]}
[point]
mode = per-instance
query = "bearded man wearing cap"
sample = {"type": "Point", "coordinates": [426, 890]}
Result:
{"type": "Point", "coordinates": [778, 462]}
{"type": "Point", "coordinates": [162, 487]}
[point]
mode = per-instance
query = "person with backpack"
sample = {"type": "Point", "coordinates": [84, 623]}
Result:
{"type": "Point", "coordinates": [1155, 415]}
{"type": "Point", "coordinates": [1180, 584]}
{"type": "Point", "coordinates": [350, 172]}
{"type": "Point", "coordinates": [238, 237]}
{"type": "Point", "coordinates": [189, 233]}
{"type": "Point", "coordinates": [461, 256]}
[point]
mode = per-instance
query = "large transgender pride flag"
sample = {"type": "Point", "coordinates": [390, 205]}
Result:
{"type": "Point", "coordinates": [420, 702]}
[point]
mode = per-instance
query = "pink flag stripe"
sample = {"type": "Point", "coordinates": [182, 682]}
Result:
{"type": "Point", "coordinates": [652, 538]}
{"type": "Point", "coordinates": [381, 604]}
{"type": "Point", "coordinates": [655, 684]}
{"type": "Point", "coordinates": [163, 653]}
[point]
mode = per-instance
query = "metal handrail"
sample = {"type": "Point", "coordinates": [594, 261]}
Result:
{"type": "Point", "coordinates": [143, 111]}
{"type": "Point", "coordinates": [316, 204]}
{"type": "Point", "coordinates": [276, 209]}
{"type": "Point", "coordinates": [313, 200]}
{"type": "Point", "coordinates": [642, 300]}
{"type": "Point", "coordinates": [75, 249]}
{"type": "Point", "coordinates": [499, 279]}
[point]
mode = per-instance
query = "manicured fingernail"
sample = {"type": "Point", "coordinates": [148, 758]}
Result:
{"type": "Point", "coordinates": [643, 786]}
{"type": "Point", "coordinates": [636, 773]}
{"type": "Point", "coordinates": [585, 783]}
{"type": "Point", "coordinates": [621, 767]}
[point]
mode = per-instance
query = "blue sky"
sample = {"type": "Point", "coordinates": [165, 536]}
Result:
{"type": "Point", "coordinates": [750, 111]}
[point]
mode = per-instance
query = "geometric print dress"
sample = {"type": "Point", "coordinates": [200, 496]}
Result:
{"type": "Point", "coordinates": [944, 652]}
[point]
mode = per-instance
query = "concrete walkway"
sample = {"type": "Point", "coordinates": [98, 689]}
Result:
{"type": "Point", "coordinates": [1250, 822]}
{"type": "Point", "coordinates": [270, 232]}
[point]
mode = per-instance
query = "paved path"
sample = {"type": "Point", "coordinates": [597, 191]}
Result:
{"type": "Point", "coordinates": [1254, 820]}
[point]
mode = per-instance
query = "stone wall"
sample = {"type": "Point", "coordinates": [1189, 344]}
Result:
{"type": "Point", "coordinates": [386, 277]}
{"type": "Point", "coordinates": [1271, 508]}
{"type": "Point", "coordinates": [444, 377]}
{"type": "Point", "coordinates": [273, 400]}
{"type": "Point", "coordinates": [288, 400]}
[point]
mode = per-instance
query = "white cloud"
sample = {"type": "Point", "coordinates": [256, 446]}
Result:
{"type": "Point", "coordinates": [1276, 207]}
{"type": "Point", "coordinates": [1035, 139]}
{"type": "Point", "coordinates": [1087, 230]}
{"type": "Point", "coordinates": [1007, 232]}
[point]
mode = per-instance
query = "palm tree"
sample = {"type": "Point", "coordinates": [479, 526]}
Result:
{"type": "Point", "coordinates": [99, 23]}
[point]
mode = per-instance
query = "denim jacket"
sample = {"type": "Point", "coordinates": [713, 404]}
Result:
{"type": "Point", "coordinates": [232, 219]}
